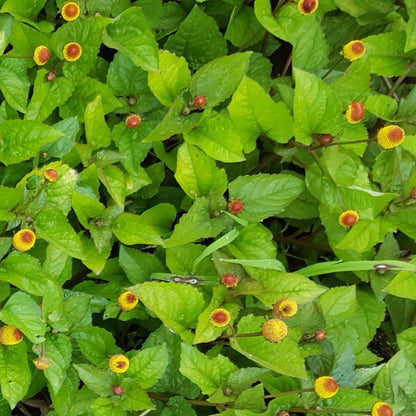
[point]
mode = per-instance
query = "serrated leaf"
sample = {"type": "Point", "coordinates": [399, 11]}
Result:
{"type": "Point", "coordinates": [24, 8]}
{"type": "Point", "coordinates": [6, 24]}
{"type": "Point", "coordinates": [97, 132]}
{"type": "Point", "coordinates": [382, 106]}
{"type": "Point", "coordinates": [338, 303]}
{"type": "Point", "coordinates": [98, 380]}
{"type": "Point", "coordinates": [9, 199]}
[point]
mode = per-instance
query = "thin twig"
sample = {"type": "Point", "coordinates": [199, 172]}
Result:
{"type": "Point", "coordinates": [410, 67]}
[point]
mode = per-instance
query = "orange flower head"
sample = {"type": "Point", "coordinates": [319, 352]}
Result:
{"type": "Point", "coordinates": [118, 390]}
{"type": "Point", "coordinates": [274, 330]}
{"type": "Point", "coordinates": [220, 317]}
{"type": "Point", "coordinates": [118, 363]}
{"type": "Point", "coordinates": [235, 206]}
{"type": "Point", "coordinates": [70, 11]}
{"type": "Point", "coordinates": [326, 387]}
{"type": "Point", "coordinates": [381, 409]}
{"type": "Point", "coordinates": [41, 55]}
{"type": "Point", "coordinates": [390, 136]}
{"type": "Point", "coordinates": [353, 50]}
{"type": "Point", "coordinates": [307, 6]}
{"type": "Point", "coordinates": [229, 280]}
{"type": "Point", "coordinates": [51, 175]}
{"type": "Point", "coordinates": [127, 301]}
{"type": "Point", "coordinates": [325, 139]}
{"type": "Point", "coordinates": [72, 51]}
{"type": "Point", "coordinates": [355, 112]}
{"type": "Point", "coordinates": [319, 335]}
{"type": "Point", "coordinates": [24, 240]}
{"type": "Point", "coordinates": [10, 335]}
{"type": "Point", "coordinates": [41, 363]}
{"type": "Point", "coordinates": [348, 218]}
{"type": "Point", "coordinates": [133, 121]}
{"type": "Point", "coordinates": [199, 101]}
{"type": "Point", "coordinates": [285, 308]}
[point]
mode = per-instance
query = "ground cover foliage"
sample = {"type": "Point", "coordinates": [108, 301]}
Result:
{"type": "Point", "coordinates": [149, 148]}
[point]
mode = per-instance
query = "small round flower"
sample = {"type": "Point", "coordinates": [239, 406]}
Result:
{"type": "Point", "coordinates": [235, 206]}
{"type": "Point", "coordinates": [41, 55]}
{"type": "Point", "coordinates": [283, 413]}
{"type": "Point", "coordinates": [381, 409]}
{"type": "Point", "coordinates": [353, 50]}
{"type": "Point", "coordinates": [133, 121]}
{"type": "Point", "coordinates": [325, 139]}
{"type": "Point", "coordinates": [118, 390]}
{"type": "Point", "coordinates": [72, 51]}
{"type": "Point", "coordinates": [285, 308]}
{"type": "Point", "coordinates": [319, 335]}
{"type": "Point", "coordinates": [390, 136]}
{"type": "Point", "coordinates": [325, 387]}
{"type": "Point", "coordinates": [355, 112]}
{"type": "Point", "coordinates": [220, 317]}
{"type": "Point", "coordinates": [199, 101]}
{"type": "Point", "coordinates": [50, 76]}
{"type": "Point", "coordinates": [51, 175]}
{"type": "Point", "coordinates": [70, 11]}
{"type": "Point", "coordinates": [10, 335]}
{"type": "Point", "coordinates": [348, 218]}
{"type": "Point", "coordinates": [274, 330]}
{"type": "Point", "coordinates": [41, 363]}
{"type": "Point", "coordinates": [118, 363]}
{"type": "Point", "coordinates": [307, 6]}
{"type": "Point", "coordinates": [24, 240]}
{"type": "Point", "coordinates": [127, 301]}
{"type": "Point", "coordinates": [229, 280]}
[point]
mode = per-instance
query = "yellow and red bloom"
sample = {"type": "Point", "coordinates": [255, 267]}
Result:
{"type": "Point", "coordinates": [355, 112]}
{"type": "Point", "coordinates": [229, 280]}
{"type": "Point", "coordinates": [41, 55]}
{"type": "Point", "coordinates": [70, 11]}
{"type": "Point", "coordinates": [41, 363]}
{"type": "Point", "coordinates": [285, 308]}
{"type": "Point", "coordinates": [10, 335]}
{"type": "Point", "coordinates": [220, 317]}
{"type": "Point", "coordinates": [72, 51]}
{"type": "Point", "coordinates": [381, 409]}
{"type": "Point", "coordinates": [127, 301]}
{"type": "Point", "coordinates": [390, 136]}
{"type": "Point", "coordinates": [274, 330]}
{"type": "Point", "coordinates": [118, 363]}
{"type": "Point", "coordinates": [235, 206]}
{"type": "Point", "coordinates": [24, 240]}
{"type": "Point", "coordinates": [307, 6]}
{"type": "Point", "coordinates": [348, 218]}
{"type": "Point", "coordinates": [326, 387]}
{"type": "Point", "coordinates": [353, 50]}
{"type": "Point", "coordinates": [133, 121]}
{"type": "Point", "coordinates": [51, 175]}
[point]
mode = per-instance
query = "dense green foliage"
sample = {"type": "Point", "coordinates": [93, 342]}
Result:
{"type": "Point", "coordinates": [141, 205]}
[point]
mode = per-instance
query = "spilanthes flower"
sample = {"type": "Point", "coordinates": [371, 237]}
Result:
{"type": "Point", "coordinates": [51, 175]}
{"type": "Point", "coordinates": [274, 330]}
{"type": "Point", "coordinates": [348, 218]}
{"type": "Point", "coordinates": [353, 50]}
{"type": "Point", "coordinates": [10, 335]}
{"type": "Point", "coordinates": [220, 317]}
{"type": "Point", "coordinates": [326, 387]}
{"type": "Point", "coordinates": [355, 112]}
{"type": "Point", "coordinates": [41, 363]}
{"type": "Point", "coordinates": [118, 363]}
{"type": "Point", "coordinates": [381, 409]}
{"type": "Point", "coordinates": [390, 136]}
{"type": "Point", "coordinates": [307, 6]}
{"type": "Point", "coordinates": [285, 308]}
{"type": "Point", "coordinates": [229, 280]}
{"type": "Point", "coordinates": [127, 301]}
{"type": "Point", "coordinates": [133, 121]}
{"type": "Point", "coordinates": [235, 206]}
{"type": "Point", "coordinates": [70, 11]}
{"type": "Point", "coordinates": [72, 51]}
{"type": "Point", "coordinates": [41, 55]}
{"type": "Point", "coordinates": [24, 240]}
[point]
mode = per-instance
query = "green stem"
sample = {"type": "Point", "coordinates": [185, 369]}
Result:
{"type": "Point", "coordinates": [329, 410]}
{"type": "Point", "coordinates": [11, 56]}
{"type": "Point", "coordinates": [289, 393]}
{"type": "Point", "coordinates": [250, 334]}
{"type": "Point", "coordinates": [321, 146]}
{"type": "Point", "coordinates": [410, 67]}
{"type": "Point", "coordinates": [332, 67]}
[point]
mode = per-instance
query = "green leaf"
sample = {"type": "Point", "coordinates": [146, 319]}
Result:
{"type": "Point", "coordinates": [410, 26]}
{"type": "Point", "coordinates": [283, 357]}
{"type": "Point", "coordinates": [253, 111]}
{"type": "Point", "coordinates": [251, 400]}
{"type": "Point", "coordinates": [129, 33]}
{"type": "Point", "coordinates": [191, 41]}
{"type": "Point", "coordinates": [22, 139]}
{"type": "Point", "coordinates": [265, 195]}
{"type": "Point", "coordinates": [173, 78]}
{"type": "Point", "coordinates": [86, 208]}
{"type": "Point", "coordinates": [403, 285]}
{"type": "Point", "coordinates": [134, 397]}
{"type": "Point", "coordinates": [208, 374]}
{"type": "Point", "coordinates": [24, 8]}
{"type": "Point", "coordinates": [115, 182]}
{"type": "Point", "coordinates": [52, 226]}
{"type": "Point", "coordinates": [24, 313]}
{"type": "Point", "coordinates": [263, 12]}
{"type": "Point", "coordinates": [9, 199]}
{"type": "Point", "coordinates": [47, 96]}
{"type": "Point", "coordinates": [98, 380]}
{"type": "Point", "coordinates": [382, 106]}
{"type": "Point", "coordinates": [148, 365]}
{"type": "Point", "coordinates": [96, 130]}
{"type": "Point", "coordinates": [6, 24]}
{"type": "Point", "coordinates": [103, 406]}
{"type": "Point", "coordinates": [178, 406]}
{"type": "Point", "coordinates": [96, 344]}
{"type": "Point", "coordinates": [316, 108]}
{"type": "Point", "coordinates": [14, 373]}
{"type": "Point", "coordinates": [159, 298]}
{"type": "Point", "coordinates": [216, 135]}
{"type": "Point", "coordinates": [197, 174]}
{"type": "Point", "coordinates": [407, 343]}
{"type": "Point", "coordinates": [64, 398]}
{"type": "Point", "coordinates": [338, 303]}
{"type": "Point", "coordinates": [219, 78]}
